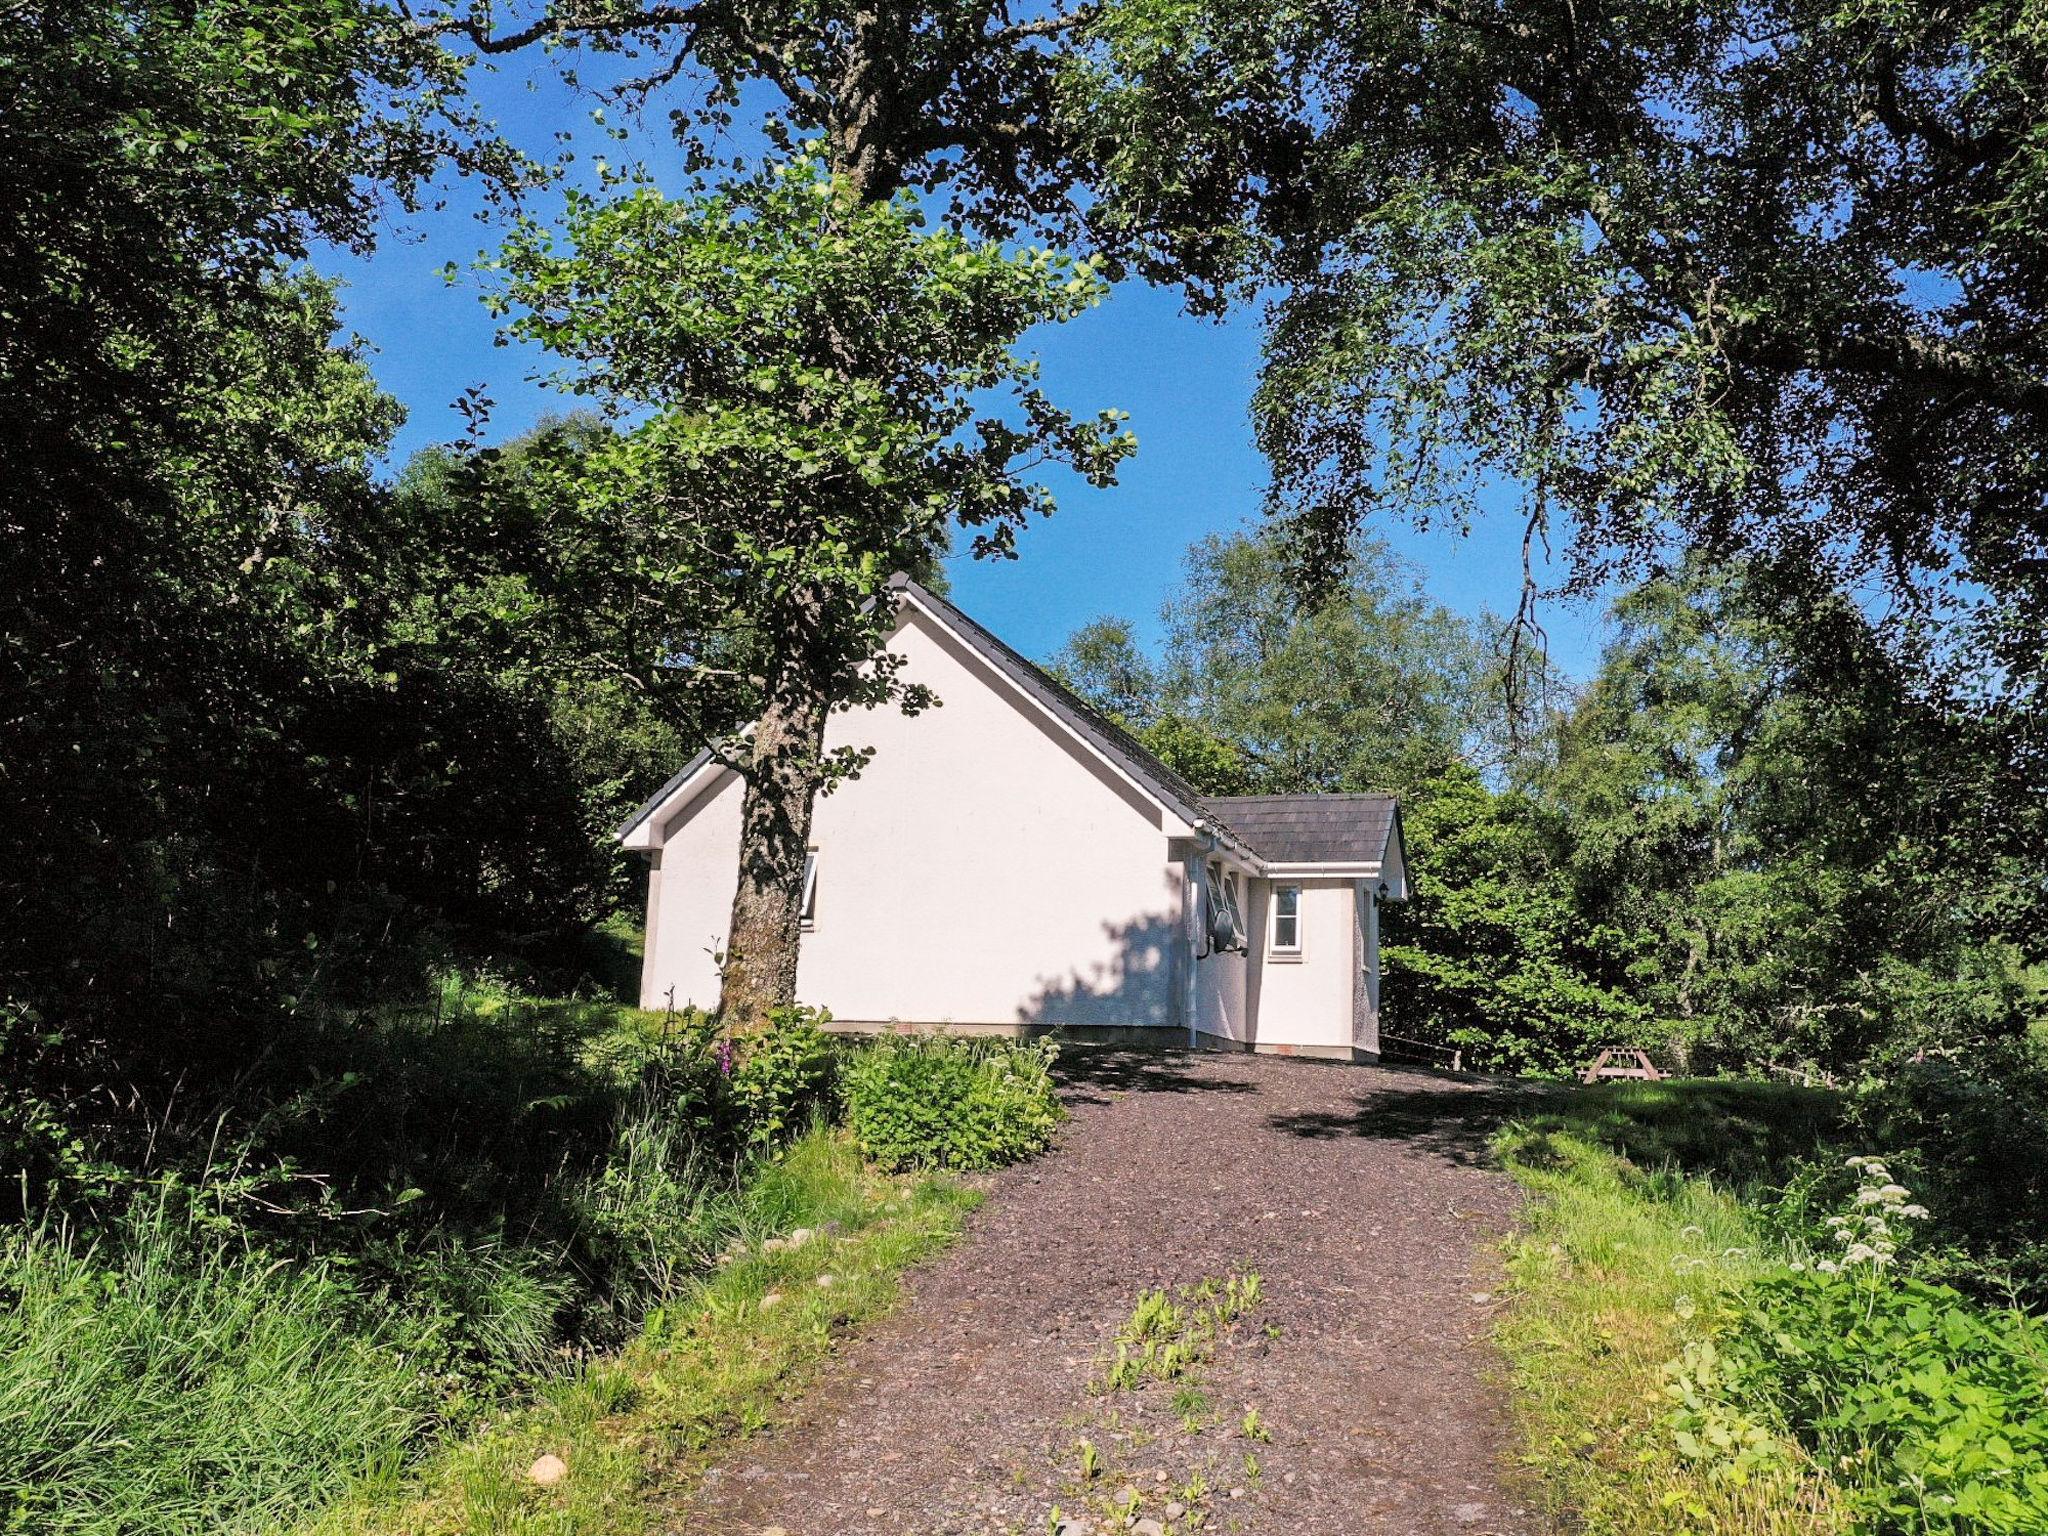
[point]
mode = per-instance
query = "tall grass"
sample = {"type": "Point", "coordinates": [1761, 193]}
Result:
{"type": "Point", "coordinates": [469, 1226]}
{"type": "Point", "coordinates": [492, 1190]}
{"type": "Point", "coordinates": [164, 1378]}
{"type": "Point", "coordinates": [720, 1360]}
{"type": "Point", "coordinates": [1616, 1263]}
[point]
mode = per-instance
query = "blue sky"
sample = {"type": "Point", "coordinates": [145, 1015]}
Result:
{"type": "Point", "coordinates": [1186, 383]}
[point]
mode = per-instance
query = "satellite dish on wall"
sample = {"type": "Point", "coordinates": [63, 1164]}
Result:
{"type": "Point", "coordinates": [1226, 922]}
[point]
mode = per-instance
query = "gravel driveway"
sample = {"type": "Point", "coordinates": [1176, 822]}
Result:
{"type": "Point", "coordinates": [1359, 1196]}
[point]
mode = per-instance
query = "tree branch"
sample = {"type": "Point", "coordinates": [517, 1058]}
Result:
{"type": "Point", "coordinates": [478, 29]}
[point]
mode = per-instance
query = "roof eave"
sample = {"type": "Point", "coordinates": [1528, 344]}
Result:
{"type": "Point", "coordinates": [636, 832]}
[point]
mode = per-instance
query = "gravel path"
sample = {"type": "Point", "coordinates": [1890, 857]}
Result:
{"type": "Point", "coordinates": [1356, 1193]}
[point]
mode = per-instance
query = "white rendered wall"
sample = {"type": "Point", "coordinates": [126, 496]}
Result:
{"type": "Point", "coordinates": [981, 870]}
{"type": "Point", "coordinates": [1308, 1000]}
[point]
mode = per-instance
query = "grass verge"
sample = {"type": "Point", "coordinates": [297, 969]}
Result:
{"type": "Point", "coordinates": [1617, 1273]}
{"type": "Point", "coordinates": [718, 1363]}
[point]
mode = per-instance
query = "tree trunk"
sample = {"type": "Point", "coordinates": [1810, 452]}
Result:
{"type": "Point", "coordinates": [786, 752]}
{"type": "Point", "coordinates": [782, 776]}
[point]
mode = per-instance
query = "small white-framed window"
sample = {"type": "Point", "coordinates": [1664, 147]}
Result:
{"type": "Point", "coordinates": [1286, 935]}
{"type": "Point", "coordinates": [807, 913]}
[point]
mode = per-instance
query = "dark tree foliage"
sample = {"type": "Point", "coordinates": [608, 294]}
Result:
{"type": "Point", "coordinates": [228, 781]}
{"type": "Point", "coordinates": [1765, 278]}
{"type": "Point", "coordinates": [1493, 953]}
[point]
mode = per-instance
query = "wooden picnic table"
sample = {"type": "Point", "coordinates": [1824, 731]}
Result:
{"type": "Point", "coordinates": [1621, 1061]}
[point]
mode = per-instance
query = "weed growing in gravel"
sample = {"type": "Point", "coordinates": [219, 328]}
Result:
{"type": "Point", "coordinates": [1252, 1427]}
{"type": "Point", "coordinates": [1166, 1338]}
{"type": "Point", "coordinates": [1191, 1406]}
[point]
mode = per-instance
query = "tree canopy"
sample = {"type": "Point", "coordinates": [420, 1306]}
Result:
{"type": "Point", "coordinates": [1374, 687]}
{"type": "Point", "coordinates": [815, 390]}
{"type": "Point", "coordinates": [1765, 279]}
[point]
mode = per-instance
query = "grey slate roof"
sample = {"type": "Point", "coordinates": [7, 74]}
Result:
{"type": "Point", "coordinates": [1310, 829]}
{"type": "Point", "coordinates": [1339, 828]}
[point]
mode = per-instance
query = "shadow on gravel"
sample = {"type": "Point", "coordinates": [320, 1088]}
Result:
{"type": "Point", "coordinates": [1446, 1115]}
{"type": "Point", "coordinates": [1113, 1071]}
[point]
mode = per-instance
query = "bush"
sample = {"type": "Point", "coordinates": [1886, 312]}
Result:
{"type": "Point", "coordinates": [1928, 1403]}
{"type": "Point", "coordinates": [1968, 1135]}
{"type": "Point", "coordinates": [784, 1077]}
{"type": "Point", "coordinates": [932, 1102]}
{"type": "Point", "coordinates": [1925, 1405]}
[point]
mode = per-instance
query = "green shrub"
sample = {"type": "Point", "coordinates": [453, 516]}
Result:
{"type": "Point", "coordinates": [1928, 1404]}
{"type": "Point", "coordinates": [1925, 1405]}
{"type": "Point", "coordinates": [933, 1102]}
{"type": "Point", "coordinates": [784, 1077]}
{"type": "Point", "coordinates": [1967, 1133]}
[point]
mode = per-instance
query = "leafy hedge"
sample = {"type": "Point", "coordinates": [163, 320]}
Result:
{"type": "Point", "coordinates": [931, 1102]}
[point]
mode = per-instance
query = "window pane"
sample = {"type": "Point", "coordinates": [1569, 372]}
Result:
{"type": "Point", "coordinates": [1287, 917]}
{"type": "Point", "coordinates": [810, 901]}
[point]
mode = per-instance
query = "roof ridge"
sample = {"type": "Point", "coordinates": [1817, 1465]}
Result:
{"type": "Point", "coordinates": [1315, 794]}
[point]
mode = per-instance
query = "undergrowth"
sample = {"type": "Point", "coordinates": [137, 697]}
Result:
{"type": "Point", "coordinates": [927, 1101]}
{"type": "Point", "coordinates": [717, 1361]}
{"type": "Point", "coordinates": [1734, 1328]}
{"type": "Point", "coordinates": [1607, 1280]}
{"type": "Point", "coordinates": [550, 1210]}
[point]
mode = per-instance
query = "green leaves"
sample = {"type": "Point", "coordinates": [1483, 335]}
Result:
{"type": "Point", "coordinates": [1925, 1404]}
{"type": "Point", "coordinates": [935, 1102]}
{"type": "Point", "coordinates": [812, 392]}
{"type": "Point", "coordinates": [1681, 278]}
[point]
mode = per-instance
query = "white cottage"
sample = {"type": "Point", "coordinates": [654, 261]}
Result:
{"type": "Point", "coordinates": [1012, 862]}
